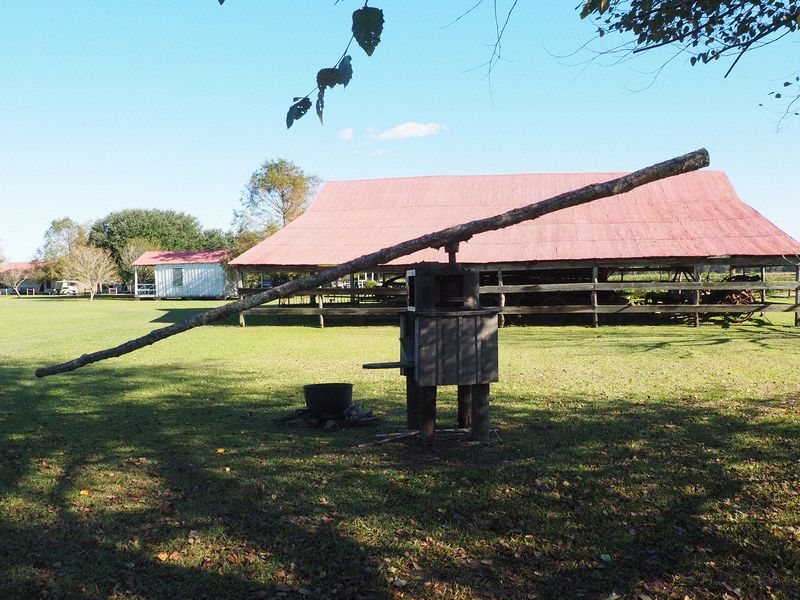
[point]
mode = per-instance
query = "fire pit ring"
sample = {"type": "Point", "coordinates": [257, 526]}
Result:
{"type": "Point", "coordinates": [328, 399]}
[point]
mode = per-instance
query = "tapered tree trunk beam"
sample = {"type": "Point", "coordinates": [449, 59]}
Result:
{"type": "Point", "coordinates": [459, 233]}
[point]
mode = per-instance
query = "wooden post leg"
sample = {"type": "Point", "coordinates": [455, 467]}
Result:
{"type": "Point", "coordinates": [427, 413]}
{"type": "Point", "coordinates": [321, 318]}
{"type": "Point", "coordinates": [412, 401]}
{"type": "Point", "coordinates": [593, 297]}
{"type": "Point", "coordinates": [464, 406]}
{"type": "Point", "coordinates": [480, 412]}
{"type": "Point", "coordinates": [697, 297]}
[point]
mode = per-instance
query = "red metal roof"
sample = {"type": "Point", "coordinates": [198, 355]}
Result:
{"type": "Point", "coordinates": [697, 214]}
{"type": "Point", "coordinates": [30, 265]}
{"type": "Point", "coordinates": [179, 257]}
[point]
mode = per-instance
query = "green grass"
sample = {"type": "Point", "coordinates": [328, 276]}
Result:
{"type": "Point", "coordinates": [660, 461]}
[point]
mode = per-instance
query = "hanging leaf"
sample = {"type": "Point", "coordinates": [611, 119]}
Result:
{"type": "Point", "coordinates": [320, 103]}
{"type": "Point", "coordinates": [327, 78]}
{"type": "Point", "coordinates": [367, 28]}
{"type": "Point", "coordinates": [345, 71]}
{"type": "Point", "coordinates": [297, 110]}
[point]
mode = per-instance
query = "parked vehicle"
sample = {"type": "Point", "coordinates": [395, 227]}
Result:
{"type": "Point", "coordinates": [67, 288]}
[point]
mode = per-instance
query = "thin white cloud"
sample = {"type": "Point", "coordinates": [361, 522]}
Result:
{"type": "Point", "coordinates": [380, 152]}
{"type": "Point", "coordinates": [411, 130]}
{"type": "Point", "coordinates": [346, 134]}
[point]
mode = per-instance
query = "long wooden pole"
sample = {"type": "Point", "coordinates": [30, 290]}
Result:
{"type": "Point", "coordinates": [459, 233]}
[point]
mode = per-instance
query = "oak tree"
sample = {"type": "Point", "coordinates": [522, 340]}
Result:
{"type": "Point", "coordinates": [168, 229]}
{"type": "Point", "coordinates": [60, 239]}
{"type": "Point", "coordinates": [278, 192]}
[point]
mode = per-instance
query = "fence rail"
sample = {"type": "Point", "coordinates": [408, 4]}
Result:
{"type": "Point", "coordinates": [146, 290]}
{"type": "Point", "coordinates": [333, 301]}
{"type": "Point", "coordinates": [620, 286]}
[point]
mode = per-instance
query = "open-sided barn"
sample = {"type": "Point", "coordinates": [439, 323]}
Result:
{"type": "Point", "coordinates": [681, 225]}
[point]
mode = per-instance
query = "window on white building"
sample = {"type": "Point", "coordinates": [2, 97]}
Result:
{"type": "Point", "coordinates": [177, 277]}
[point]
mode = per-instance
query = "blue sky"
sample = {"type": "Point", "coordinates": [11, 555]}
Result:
{"type": "Point", "coordinates": [112, 105]}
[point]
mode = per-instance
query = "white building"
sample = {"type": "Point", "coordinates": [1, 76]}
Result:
{"type": "Point", "coordinates": [184, 274]}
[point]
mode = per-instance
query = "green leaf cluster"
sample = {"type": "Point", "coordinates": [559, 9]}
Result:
{"type": "Point", "coordinates": [166, 229]}
{"type": "Point", "coordinates": [327, 78]}
{"type": "Point", "coordinates": [367, 28]}
{"type": "Point", "coordinates": [704, 30]}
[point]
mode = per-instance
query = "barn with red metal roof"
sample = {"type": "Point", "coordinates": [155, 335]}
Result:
{"type": "Point", "coordinates": [680, 223]}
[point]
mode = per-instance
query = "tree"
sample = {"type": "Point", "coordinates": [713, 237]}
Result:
{"type": "Point", "coordinates": [13, 274]}
{"type": "Point", "coordinates": [278, 192]}
{"type": "Point", "coordinates": [169, 229]}
{"type": "Point", "coordinates": [705, 31]}
{"type": "Point", "coordinates": [216, 239]}
{"type": "Point", "coordinates": [91, 266]}
{"type": "Point", "coordinates": [60, 239]}
{"type": "Point", "coordinates": [245, 240]}
{"type": "Point", "coordinates": [132, 250]}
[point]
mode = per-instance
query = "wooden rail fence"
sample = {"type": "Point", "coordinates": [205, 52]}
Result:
{"type": "Point", "coordinates": [364, 302]}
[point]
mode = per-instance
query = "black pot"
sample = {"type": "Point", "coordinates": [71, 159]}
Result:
{"type": "Point", "coordinates": [328, 398]}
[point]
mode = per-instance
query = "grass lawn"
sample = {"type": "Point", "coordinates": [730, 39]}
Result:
{"type": "Point", "coordinates": [635, 462]}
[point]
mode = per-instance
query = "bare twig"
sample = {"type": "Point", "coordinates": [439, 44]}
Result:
{"type": "Point", "coordinates": [675, 166]}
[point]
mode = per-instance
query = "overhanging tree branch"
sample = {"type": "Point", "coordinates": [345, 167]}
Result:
{"type": "Point", "coordinates": [675, 166]}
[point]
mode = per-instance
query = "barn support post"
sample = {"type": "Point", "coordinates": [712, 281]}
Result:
{"type": "Point", "coordinates": [464, 418]}
{"type": "Point", "coordinates": [136, 282]}
{"type": "Point", "coordinates": [797, 297]}
{"type": "Point", "coordinates": [240, 279]}
{"type": "Point", "coordinates": [763, 281]}
{"type": "Point", "coordinates": [696, 294]}
{"type": "Point", "coordinates": [595, 319]}
{"type": "Point", "coordinates": [501, 318]}
{"type": "Point", "coordinates": [321, 318]}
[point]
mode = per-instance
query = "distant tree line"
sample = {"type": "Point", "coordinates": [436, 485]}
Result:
{"type": "Point", "coordinates": [103, 251]}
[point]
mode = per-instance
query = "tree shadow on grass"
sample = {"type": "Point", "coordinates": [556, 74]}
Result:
{"type": "Point", "coordinates": [663, 338]}
{"type": "Point", "coordinates": [96, 485]}
{"type": "Point", "coordinates": [582, 498]}
{"type": "Point", "coordinates": [174, 315]}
